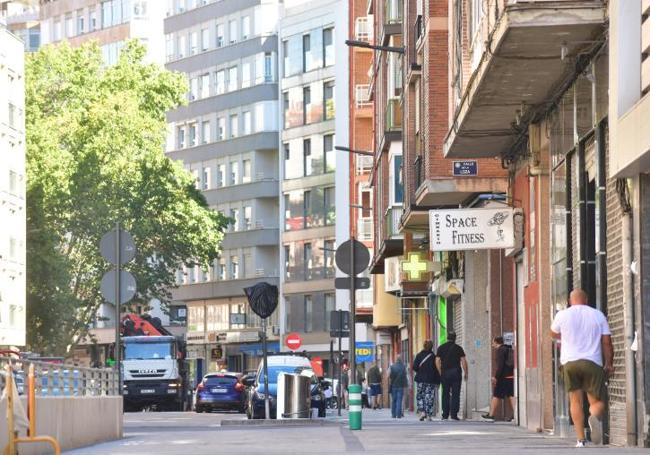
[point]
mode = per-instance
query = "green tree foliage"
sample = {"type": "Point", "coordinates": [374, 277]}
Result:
{"type": "Point", "coordinates": [95, 155]}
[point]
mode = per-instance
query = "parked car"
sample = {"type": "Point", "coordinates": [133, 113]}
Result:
{"type": "Point", "coordinates": [277, 364]}
{"type": "Point", "coordinates": [220, 391]}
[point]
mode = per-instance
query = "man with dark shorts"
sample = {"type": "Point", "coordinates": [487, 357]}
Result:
{"type": "Point", "coordinates": [585, 342]}
{"type": "Point", "coordinates": [452, 366]}
{"type": "Point", "coordinates": [503, 380]}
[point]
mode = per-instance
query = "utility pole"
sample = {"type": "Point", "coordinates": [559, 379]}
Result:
{"type": "Point", "coordinates": [118, 298]}
{"type": "Point", "coordinates": [353, 313]}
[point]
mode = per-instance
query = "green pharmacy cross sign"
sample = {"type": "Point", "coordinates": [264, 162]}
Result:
{"type": "Point", "coordinates": [415, 266]}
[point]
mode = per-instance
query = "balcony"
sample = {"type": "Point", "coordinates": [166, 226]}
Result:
{"type": "Point", "coordinates": [392, 20]}
{"type": "Point", "coordinates": [362, 96]}
{"type": "Point", "coordinates": [393, 116]}
{"type": "Point", "coordinates": [390, 242]}
{"type": "Point", "coordinates": [392, 221]}
{"type": "Point", "coordinates": [365, 228]}
{"type": "Point", "coordinates": [363, 28]}
{"type": "Point", "coordinates": [519, 70]}
{"type": "Point", "coordinates": [364, 163]}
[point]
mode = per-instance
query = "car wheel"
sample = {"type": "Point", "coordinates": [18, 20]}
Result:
{"type": "Point", "coordinates": [198, 409]}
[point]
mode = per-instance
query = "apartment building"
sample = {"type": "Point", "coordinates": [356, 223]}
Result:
{"type": "Point", "coordinates": [12, 191]}
{"type": "Point", "coordinates": [227, 137]}
{"type": "Point", "coordinates": [314, 178]}
{"type": "Point", "coordinates": [108, 22]}
{"type": "Point", "coordinates": [21, 18]}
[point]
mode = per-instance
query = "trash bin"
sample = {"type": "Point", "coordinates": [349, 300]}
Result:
{"type": "Point", "coordinates": [294, 397]}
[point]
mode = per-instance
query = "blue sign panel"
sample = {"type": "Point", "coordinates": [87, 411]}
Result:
{"type": "Point", "coordinates": [365, 351]}
{"type": "Point", "coordinates": [465, 168]}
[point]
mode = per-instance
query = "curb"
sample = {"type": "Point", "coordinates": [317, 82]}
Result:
{"type": "Point", "coordinates": [278, 423]}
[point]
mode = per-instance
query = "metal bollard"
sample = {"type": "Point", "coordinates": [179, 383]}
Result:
{"type": "Point", "coordinates": [354, 415]}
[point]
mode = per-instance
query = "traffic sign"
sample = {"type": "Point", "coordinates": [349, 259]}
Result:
{"type": "Point", "coordinates": [127, 286]}
{"type": "Point", "coordinates": [359, 283]}
{"type": "Point", "coordinates": [293, 341]}
{"type": "Point", "coordinates": [127, 246]}
{"type": "Point", "coordinates": [344, 260]}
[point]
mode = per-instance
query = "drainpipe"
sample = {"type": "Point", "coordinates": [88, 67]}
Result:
{"type": "Point", "coordinates": [628, 314]}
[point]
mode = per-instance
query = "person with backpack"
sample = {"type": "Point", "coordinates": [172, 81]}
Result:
{"type": "Point", "coordinates": [427, 380]}
{"type": "Point", "coordinates": [398, 381]}
{"type": "Point", "coordinates": [452, 366]}
{"type": "Point", "coordinates": [503, 380]}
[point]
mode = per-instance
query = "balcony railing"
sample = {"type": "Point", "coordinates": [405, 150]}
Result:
{"type": "Point", "coordinates": [364, 229]}
{"type": "Point", "coordinates": [393, 115]}
{"type": "Point", "coordinates": [363, 28]}
{"type": "Point", "coordinates": [391, 222]}
{"type": "Point", "coordinates": [362, 96]}
{"type": "Point", "coordinates": [364, 163]}
{"type": "Point", "coordinates": [393, 11]}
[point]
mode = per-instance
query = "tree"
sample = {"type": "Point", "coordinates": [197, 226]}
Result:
{"type": "Point", "coordinates": [95, 155]}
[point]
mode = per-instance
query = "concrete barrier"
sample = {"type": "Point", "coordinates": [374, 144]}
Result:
{"type": "Point", "coordinates": [73, 421]}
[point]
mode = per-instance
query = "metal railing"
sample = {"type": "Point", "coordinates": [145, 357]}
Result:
{"type": "Point", "coordinates": [52, 379]}
{"type": "Point", "coordinates": [363, 28]}
{"type": "Point", "coordinates": [364, 163]}
{"type": "Point", "coordinates": [393, 216]}
{"type": "Point", "coordinates": [393, 115]}
{"type": "Point", "coordinates": [365, 229]}
{"type": "Point", "coordinates": [362, 96]}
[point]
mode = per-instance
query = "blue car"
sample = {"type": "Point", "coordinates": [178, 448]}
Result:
{"type": "Point", "coordinates": [220, 391]}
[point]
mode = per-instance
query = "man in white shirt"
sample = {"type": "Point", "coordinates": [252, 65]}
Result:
{"type": "Point", "coordinates": [585, 342]}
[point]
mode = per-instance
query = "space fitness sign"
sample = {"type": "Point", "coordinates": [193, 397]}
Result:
{"type": "Point", "coordinates": [471, 229]}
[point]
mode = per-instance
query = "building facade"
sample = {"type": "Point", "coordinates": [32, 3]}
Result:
{"type": "Point", "coordinates": [12, 191]}
{"type": "Point", "coordinates": [314, 203]}
{"type": "Point", "coordinates": [227, 137]}
{"type": "Point", "coordinates": [21, 19]}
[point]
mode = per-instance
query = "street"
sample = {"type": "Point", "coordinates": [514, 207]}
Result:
{"type": "Point", "coordinates": [195, 434]}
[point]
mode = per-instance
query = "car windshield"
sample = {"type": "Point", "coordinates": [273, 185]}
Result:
{"type": "Point", "coordinates": [147, 351]}
{"type": "Point", "coordinates": [274, 371]}
{"type": "Point", "coordinates": [219, 380]}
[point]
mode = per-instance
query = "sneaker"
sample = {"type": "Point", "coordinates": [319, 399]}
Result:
{"type": "Point", "coordinates": [422, 417]}
{"type": "Point", "coordinates": [581, 443]}
{"type": "Point", "coordinates": [455, 418]}
{"type": "Point", "coordinates": [596, 427]}
{"type": "Point", "coordinates": [488, 417]}
{"type": "Point", "coordinates": [430, 419]}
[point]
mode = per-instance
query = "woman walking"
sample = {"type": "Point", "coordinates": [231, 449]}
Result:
{"type": "Point", "coordinates": [398, 382]}
{"type": "Point", "coordinates": [427, 379]}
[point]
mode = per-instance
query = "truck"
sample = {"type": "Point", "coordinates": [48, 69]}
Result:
{"type": "Point", "coordinates": [154, 368]}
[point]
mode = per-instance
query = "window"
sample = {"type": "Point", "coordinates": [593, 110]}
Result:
{"type": "Point", "coordinates": [246, 171]}
{"type": "Point", "coordinates": [221, 129]}
{"type": "Point", "coordinates": [329, 201]}
{"type": "Point", "coordinates": [366, 203]}
{"type": "Point", "coordinates": [232, 31]}
{"type": "Point", "coordinates": [245, 75]}
{"type": "Point", "coordinates": [306, 104]}
{"type": "Point", "coordinates": [205, 85]}
{"type": "Point", "coordinates": [205, 39]}
{"type": "Point", "coordinates": [308, 260]}
{"type": "Point", "coordinates": [13, 183]}
{"type": "Point", "coordinates": [221, 269]}
{"type": "Point", "coordinates": [328, 258]}
{"type": "Point", "coordinates": [328, 100]}
{"type": "Point", "coordinates": [191, 271]}
{"type": "Point", "coordinates": [268, 67]}
{"type": "Point", "coordinates": [330, 305]}
{"type": "Point", "coordinates": [285, 108]}
{"type": "Point", "coordinates": [205, 132]}
{"type": "Point", "coordinates": [180, 137]}
{"type": "Point", "coordinates": [248, 218]}
{"type": "Point", "coordinates": [287, 262]}
{"type": "Point", "coordinates": [195, 174]}
{"type": "Point", "coordinates": [308, 314]}
{"type": "Point", "coordinates": [194, 88]}
{"type": "Point", "coordinates": [221, 175]}
{"type": "Point", "coordinates": [306, 209]}
{"type": "Point", "coordinates": [221, 82]}
{"type": "Point", "coordinates": [206, 178]}
{"type": "Point", "coordinates": [194, 43]}
{"type": "Point", "coordinates": [140, 9]}
{"type": "Point", "coordinates": [57, 31]}
{"type": "Point", "coordinates": [192, 134]}
{"type": "Point", "coordinates": [285, 57]}
{"type": "Point", "coordinates": [220, 38]}
{"type": "Point", "coordinates": [396, 188]}
{"type": "Point", "coordinates": [107, 15]}
{"type": "Point", "coordinates": [234, 172]}
{"type": "Point", "coordinates": [248, 122]}
{"type": "Point", "coordinates": [81, 22]}
{"type": "Point", "coordinates": [328, 46]}
{"type": "Point", "coordinates": [181, 44]}
{"type": "Point", "coordinates": [306, 53]}
{"type": "Point", "coordinates": [234, 126]}
{"type": "Point", "coordinates": [287, 212]}
{"type": "Point", "coordinates": [245, 27]}
{"type": "Point", "coordinates": [234, 215]}
{"type": "Point", "coordinates": [329, 154]}
{"type": "Point", "coordinates": [287, 156]}
{"type": "Point", "coordinates": [232, 79]}
{"type": "Point", "coordinates": [306, 158]}
{"type": "Point", "coordinates": [169, 48]}
{"type": "Point", "coordinates": [234, 267]}
{"type": "Point", "coordinates": [93, 21]}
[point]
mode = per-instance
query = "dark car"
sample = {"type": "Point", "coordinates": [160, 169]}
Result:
{"type": "Point", "coordinates": [220, 391]}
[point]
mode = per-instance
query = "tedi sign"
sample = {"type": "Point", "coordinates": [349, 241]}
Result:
{"type": "Point", "coordinates": [471, 229]}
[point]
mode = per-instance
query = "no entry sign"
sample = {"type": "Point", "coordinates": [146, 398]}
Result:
{"type": "Point", "coordinates": [293, 341]}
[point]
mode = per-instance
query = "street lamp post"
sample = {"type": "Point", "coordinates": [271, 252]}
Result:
{"type": "Point", "coordinates": [363, 44]}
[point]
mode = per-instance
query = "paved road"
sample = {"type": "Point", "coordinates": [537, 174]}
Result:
{"type": "Point", "coordinates": [197, 434]}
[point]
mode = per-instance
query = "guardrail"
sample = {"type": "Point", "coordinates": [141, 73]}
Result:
{"type": "Point", "coordinates": [52, 379]}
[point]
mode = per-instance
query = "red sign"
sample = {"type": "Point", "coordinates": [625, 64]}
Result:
{"type": "Point", "coordinates": [317, 365]}
{"type": "Point", "coordinates": [293, 341]}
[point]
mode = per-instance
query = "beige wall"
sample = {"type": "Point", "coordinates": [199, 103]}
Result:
{"type": "Point", "coordinates": [74, 421]}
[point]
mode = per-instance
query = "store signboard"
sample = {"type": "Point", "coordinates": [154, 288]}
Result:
{"type": "Point", "coordinates": [392, 274]}
{"type": "Point", "coordinates": [471, 229]}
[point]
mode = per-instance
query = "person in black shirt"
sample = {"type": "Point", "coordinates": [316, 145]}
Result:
{"type": "Point", "coordinates": [452, 366]}
{"type": "Point", "coordinates": [427, 379]}
{"type": "Point", "coordinates": [503, 380]}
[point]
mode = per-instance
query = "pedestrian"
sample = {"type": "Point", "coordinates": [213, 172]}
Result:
{"type": "Point", "coordinates": [374, 382]}
{"type": "Point", "coordinates": [398, 382]}
{"type": "Point", "coordinates": [452, 366]}
{"type": "Point", "coordinates": [503, 380]}
{"type": "Point", "coordinates": [345, 382]}
{"type": "Point", "coordinates": [585, 342]}
{"type": "Point", "coordinates": [427, 380]}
